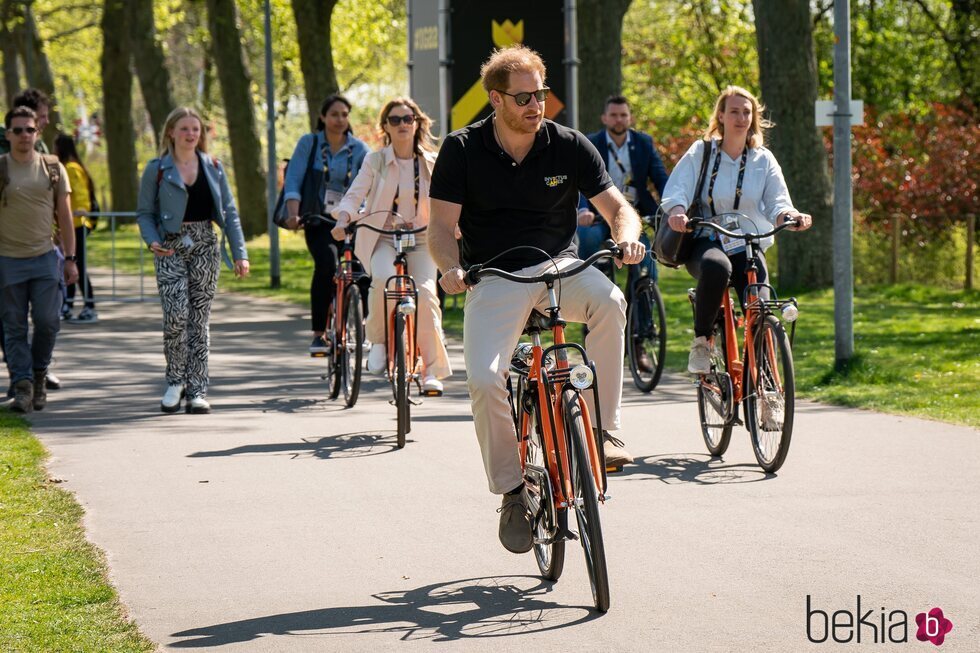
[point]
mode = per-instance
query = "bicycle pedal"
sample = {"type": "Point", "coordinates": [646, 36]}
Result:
{"type": "Point", "coordinates": [318, 355]}
{"type": "Point", "coordinates": [613, 470]}
{"type": "Point", "coordinates": [414, 402]}
{"type": "Point", "coordinates": [432, 393]}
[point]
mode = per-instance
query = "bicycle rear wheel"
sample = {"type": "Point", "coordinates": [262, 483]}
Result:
{"type": "Point", "coordinates": [646, 328]}
{"type": "Point", "coordinates": [547, 519]}
{"type": "Point", "coordinates": [401, 379]}
{"type": "Point", "coordinates": [335, 373]}
{"type": "Point", "coordinates": [771, 395]}
{"type": "Point", "coordinates": [587, 501]}
{"type": "Point", "coordinates": [352, 347]}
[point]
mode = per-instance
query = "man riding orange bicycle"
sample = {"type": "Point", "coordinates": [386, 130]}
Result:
{"type": "Point", "coordinates": [513, 179]}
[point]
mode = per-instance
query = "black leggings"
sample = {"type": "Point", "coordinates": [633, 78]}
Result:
{"type": "Point", "coordinates": [84, 282]}
{"type": "Point", "coordinates": [323, 287]}
{"type": "Point", "coordinates": [713, 269]}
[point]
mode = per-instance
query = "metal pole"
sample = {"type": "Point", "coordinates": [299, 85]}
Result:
{"type": "Point", "coordinates": [843, 219]}
{"type": "Point", "coordinates": [444, 64]}
{"type": "Point", "coordinates": [270, 98]}
{"type": "Point", "coordinates": [571, 63]}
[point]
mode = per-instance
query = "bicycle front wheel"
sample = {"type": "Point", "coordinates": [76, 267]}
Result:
{"type": "Point", "coordinates": [771, 395]}
{"type": "Point", "coordinates": [401, 379]}
{"type": "Point", "coordinates": [586, 501]}
{"type": "Point", "coordinates": [646, 328]}
{"type": "Point", "coordinates": [352, 347]}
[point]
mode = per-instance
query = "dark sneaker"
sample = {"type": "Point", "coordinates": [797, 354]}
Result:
{"type": "Point", "coordinates": [616, 453]}
{"type": "Point", "coordinates": [65, 312]}
{"type": "Point", "coordinates": [23, 396]}
{"type": "Point", "coordinates": [515, 523]}
{"type": "Point", "coordinates": [86, 316]}
{"type": "Point", "coordinates": [319, 347]}
{"type": "Point", "coordinates": [643, 361]}
{"type": "Point", "coordinates": [40, 398]}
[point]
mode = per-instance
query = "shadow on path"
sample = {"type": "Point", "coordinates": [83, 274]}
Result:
{"type": "Point", "coordinates": [342, 445]}
{"type": "Point", "coordinates": [701, 469]}
{"type": "Point", "coordinates": [496, 606]}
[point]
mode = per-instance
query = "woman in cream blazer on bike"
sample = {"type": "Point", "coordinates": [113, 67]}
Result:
{"type": "Point", "coordinates": [397, 178]}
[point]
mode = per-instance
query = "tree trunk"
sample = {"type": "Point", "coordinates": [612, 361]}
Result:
{"type": "Point", "coordinates": [600, 49]}
{"type": "Point", "coordinates": [236, 91]}
{"type": "Point", "coordinates": [788, 75]}
{"type": "Point", "coordinates": [965, 47]}
{"type": "Point", "coordinates": [151, 66]}
{"type": "Point", "coordinates": [11, 76]}
{"type": "Point", "coordinates": [315, 51]}
{"type": "Point", "coordinates": [117, 98]}
{"type": "Point", "coordinates": [38, 68]}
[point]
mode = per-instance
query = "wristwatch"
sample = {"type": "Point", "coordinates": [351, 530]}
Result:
{"type": "Point", "coordinates": [71, 258]}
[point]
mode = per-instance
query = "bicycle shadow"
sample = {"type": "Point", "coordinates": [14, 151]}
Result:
{"type": "Point", "coordinates": [343, 445]}
{"type": "Point", "coordinates": [494, 606]}
{"type": "Point", "coordinates": [700, 469]}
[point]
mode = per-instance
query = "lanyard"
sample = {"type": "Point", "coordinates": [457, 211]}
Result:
{"type": "Point", "coordinates": [324, 153]}
{"type": "Point", "coordinates": [394, 202]}
{"type": "Point", "coordinates": [627, 178]}
{"type": "Point", "coordinates": [738, 184]}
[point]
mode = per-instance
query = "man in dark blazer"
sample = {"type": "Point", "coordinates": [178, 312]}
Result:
{"type": "Point", "coordinates": [633, 163]}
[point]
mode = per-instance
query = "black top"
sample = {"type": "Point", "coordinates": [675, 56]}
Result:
{"type": "Point", "coordinates": [505, 203]}
{"type": "Point", "coordinates": [200, 203]}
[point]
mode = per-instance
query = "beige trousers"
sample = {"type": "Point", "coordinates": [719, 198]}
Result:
{"type": "Point", "coordinates": [495, 314]}
{"type": "Point", "coordinates": [423, 270]}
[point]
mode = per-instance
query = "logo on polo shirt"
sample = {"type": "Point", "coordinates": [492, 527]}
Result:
{"type": "Point", "coordinates": [552, 182]}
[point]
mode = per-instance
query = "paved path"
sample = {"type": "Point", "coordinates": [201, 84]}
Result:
{"type": "Point", "coordinates": [282, 522]}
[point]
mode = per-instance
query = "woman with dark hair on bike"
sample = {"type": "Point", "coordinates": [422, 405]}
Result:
{"type": "Point", "coordinates": [82, 196]}
{"type": "Point", "coordinates": [397, 178]}
{"type": "Point", "coordinates": [743, 176]}
{"type": "Point", "coordinates": [334, 156]}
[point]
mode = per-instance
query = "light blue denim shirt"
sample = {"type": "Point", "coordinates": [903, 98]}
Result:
{"type": "Point", "coordinates": [163, 200]}
{"type": "Point", "coordinates": [346, 160]}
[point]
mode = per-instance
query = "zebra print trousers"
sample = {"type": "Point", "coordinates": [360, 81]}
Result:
{"type": "Point", "coordinates": [187, 282]}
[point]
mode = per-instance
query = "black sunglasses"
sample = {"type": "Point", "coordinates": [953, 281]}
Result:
{"type": "Point", "coordinates": [23, 130]}
{"type": "Point", "coordinates": [394, 121]}
{"type": "Point", "coordinates": [521, 99]}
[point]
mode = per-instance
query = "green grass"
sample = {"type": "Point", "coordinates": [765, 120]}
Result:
{"type": "Point", "coordinates": [917, 347]}
{"type": "Point", "coordinates": [54, 595]}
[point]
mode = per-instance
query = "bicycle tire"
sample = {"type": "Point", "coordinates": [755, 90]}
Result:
{"type": "Point", "coordinates": [716, 402]}
{"type": "Point", "coordinates": [352, 349]}
{"type": "Point", "coordinates": [335, 358]}
{"type": "Point", "coordinates": [548, 520]}
{"type": "Point", "coordinates": [587, 514]}
{"type": "Point", "coordinates": [771, 393]}
{"type": "Point", "coordinates": [401, 379]}
{"type": "Point", "coordinates": [650, 339]}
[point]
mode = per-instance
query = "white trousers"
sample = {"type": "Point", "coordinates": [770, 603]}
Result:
{"type": "Point", "coordinates": [495, 314]}
{"type": "Point", "coordinates": [423, 270]}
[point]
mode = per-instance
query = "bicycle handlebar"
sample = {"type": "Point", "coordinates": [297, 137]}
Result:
{"type": "Point", "coordinates": [477, 271]}
{"type": "Point", "coordinates": [694, 223]}
{"type": "Point", "coordinates": [390, 232]}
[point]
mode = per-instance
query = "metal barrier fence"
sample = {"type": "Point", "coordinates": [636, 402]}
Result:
{"type": "Point", "coordinates": [115, 295]}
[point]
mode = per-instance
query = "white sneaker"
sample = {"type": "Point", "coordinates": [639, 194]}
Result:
{"type": "Point", "coordinates": [377, 359]}
{"type": "Point", "coordinates": [699, 362]}
{"type": "Point", "coordinates": [198, 406]}
{"type": "Point", "coordinates": [171, 398]}
{"type": "Point", "coordinates": [432, 386]}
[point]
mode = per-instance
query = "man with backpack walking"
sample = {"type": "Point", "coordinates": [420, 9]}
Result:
{"type": "Point", "coordinates": [34, 193]}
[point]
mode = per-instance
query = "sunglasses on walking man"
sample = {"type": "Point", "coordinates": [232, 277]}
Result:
{"type": "Point", "coordinates": [23, 130]}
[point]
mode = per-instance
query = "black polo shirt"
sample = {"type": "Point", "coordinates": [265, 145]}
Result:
{"type": "Point", "coordinates": [505, 203]}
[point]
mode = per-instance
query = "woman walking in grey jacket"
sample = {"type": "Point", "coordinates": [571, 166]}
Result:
{"type": "Point", "coordinates": [182, 193]}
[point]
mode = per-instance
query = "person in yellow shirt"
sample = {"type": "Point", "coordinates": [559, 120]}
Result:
{"type": "Point", "coordinates": [82, 196]}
